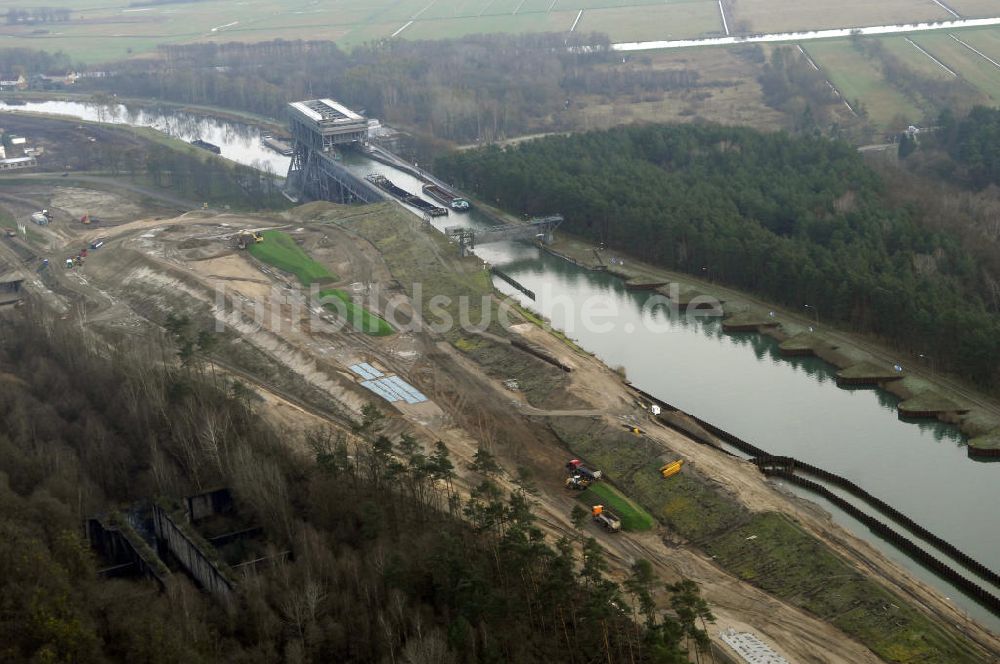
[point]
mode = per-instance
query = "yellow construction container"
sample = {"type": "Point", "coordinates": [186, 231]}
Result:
{"type": "Point", "coordinates": [671, 468]}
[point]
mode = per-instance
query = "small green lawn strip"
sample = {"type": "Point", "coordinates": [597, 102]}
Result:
{"type": "Point", "coordinates": [362, 319]}
{"type": "Point", "coordinates": [633, 517]}
{"type": "Point", "coordinates": [279, 249]}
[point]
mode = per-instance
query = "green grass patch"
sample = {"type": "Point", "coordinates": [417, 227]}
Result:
{"type": "Point", "coordinates": [685, 502]}
{"type": "Point", "coordinates": [467, 345]}
{"type": "Point", "coordinates": [633, 517]}
{"type": "Point", "coordinates": [280, 250]}
{"type": "Point", "coordinates": [362, 319]}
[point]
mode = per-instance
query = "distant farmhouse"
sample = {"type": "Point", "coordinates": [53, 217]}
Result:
{"type": "Point", "coordinates": [15, 153]}
{"type": "Point", "coordinates": [10, 81]}
{"type": "Point", "coordinates": [53, 80]}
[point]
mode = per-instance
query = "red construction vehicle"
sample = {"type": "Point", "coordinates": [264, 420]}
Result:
{"type": "Point", "coordinates": [576, 467]}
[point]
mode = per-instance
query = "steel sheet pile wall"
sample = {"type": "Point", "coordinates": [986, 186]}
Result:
{"type": "Point", "coordinates": [786, 467]}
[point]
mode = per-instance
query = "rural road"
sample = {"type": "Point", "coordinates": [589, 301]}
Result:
{"type": "Point", "coordinates": [807, 36]}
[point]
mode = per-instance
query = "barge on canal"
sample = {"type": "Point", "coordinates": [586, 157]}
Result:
{"type": "Point", "coordinates": [278, 145]}
{"type": "Point", "coordinates": [449, 198]}
{"type": "Point", "coordinates": [386, 185]}
{"type": "Point", "coordinates": [205, 145]}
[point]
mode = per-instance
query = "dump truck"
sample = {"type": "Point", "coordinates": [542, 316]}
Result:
{"type": "Point", "coordinates": [576, 467]}
{"type": "Point", "coordinates": [671, 468]}
{"type": "Point", "coordinates": [606, 519]}
{"type": "Point", "coordinates": [41, 218]}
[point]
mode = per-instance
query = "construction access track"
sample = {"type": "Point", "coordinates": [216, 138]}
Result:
{"type": "Point", "coordinates": [155, 261]}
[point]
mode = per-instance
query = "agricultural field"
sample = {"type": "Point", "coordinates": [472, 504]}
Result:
{"type": "Point", "coordinates": [974, 68]}
{"type": "Point", "coordinates": [910, 54]}
{"type": "Point", "coordinates": [753, 16]}
{"type": "Point", "coordinates": [985, 41]}
{"type": "Point", "coordinates": [970, 58]}
{"type": "Point", "coordinates": [683, 20]}
{"type": "Point", "coordinates": [974, 8]}
{"type": "Point", "coordinates": [859, 80]}
{"type": "Point", "coordinates": [105, 30]}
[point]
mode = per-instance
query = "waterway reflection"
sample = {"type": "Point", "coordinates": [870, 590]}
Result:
{"type": "Point", "coordinates": [786, 405]}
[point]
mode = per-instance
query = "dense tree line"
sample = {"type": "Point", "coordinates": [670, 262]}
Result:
{"type": "Point", "coordinates": [16, 16]}
{"type": "Point", "coordinates": [796, 220]}
{"type": "Point", "coordinates": [192, 174]}
{"type": "Point", "coordinates": [206, 178]}
{"type": "Point", "coordinates": [481, 87]}
{"type": "Point", "coordinates": [388, 564]}
{"type": "Point", "coordinates": [30, 61]}
{"type": "Point", "coordinates": [791, 84]}
{"type": "Point", "coordinates": [974, 143]}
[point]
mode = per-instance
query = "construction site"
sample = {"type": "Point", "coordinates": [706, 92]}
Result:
{"type": "Point", "coordinates": [121, 259]}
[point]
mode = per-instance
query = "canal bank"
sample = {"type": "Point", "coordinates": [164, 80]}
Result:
{"type": "Point", "coordinates": [922, 392]}
{"type": "Point", "coordinates": [787, 405]}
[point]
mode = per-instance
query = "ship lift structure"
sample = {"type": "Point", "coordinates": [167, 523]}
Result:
{"type": "Point", "coordinates": [318, 126]}
{"type": "Point", "coordinates": [539, 229]}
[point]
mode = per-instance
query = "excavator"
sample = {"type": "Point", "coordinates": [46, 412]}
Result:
{"type": "Point", "coordinates": [246, 238]}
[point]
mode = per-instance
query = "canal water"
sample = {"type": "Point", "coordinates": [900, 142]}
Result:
{"type": "Point", "coordinates": [239, 141]}
{"type": "Point", "coordinates": [788, 406]}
